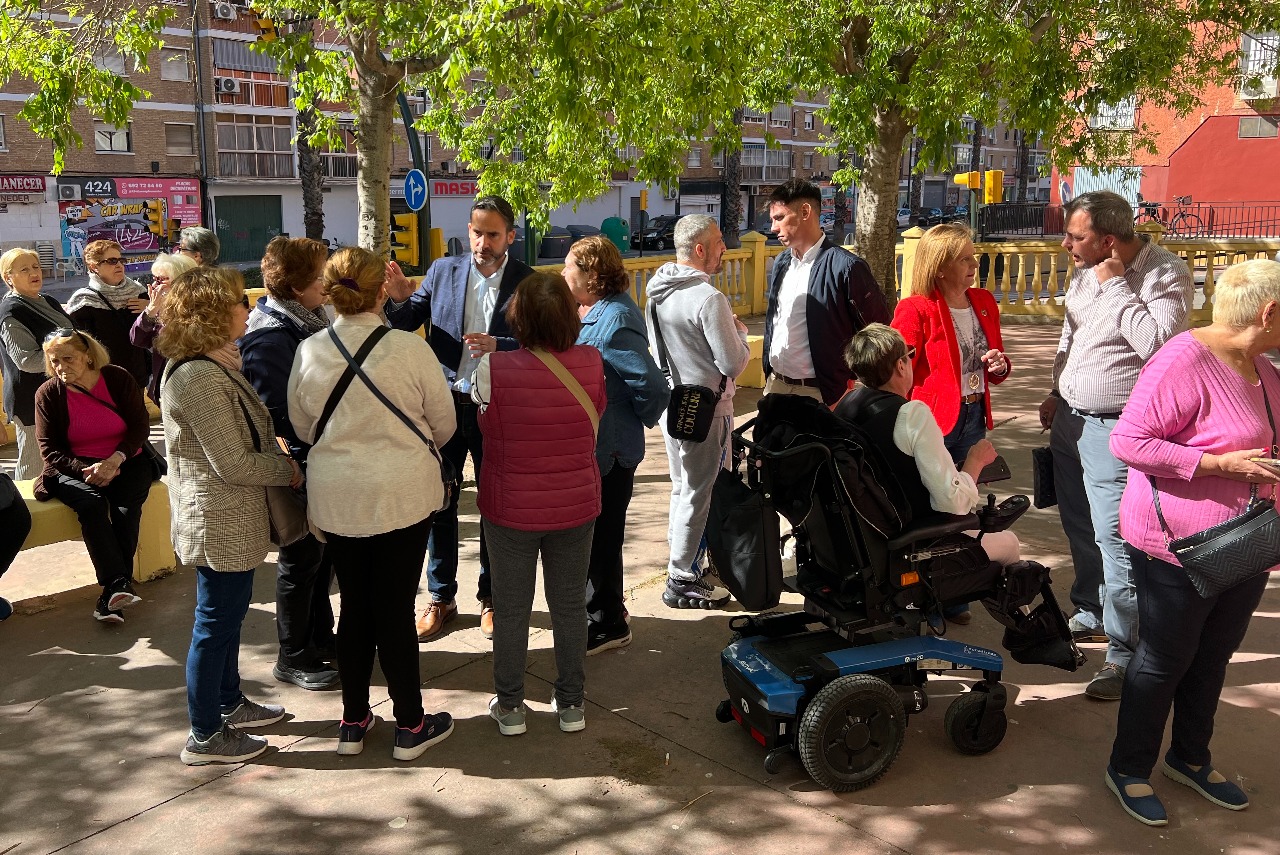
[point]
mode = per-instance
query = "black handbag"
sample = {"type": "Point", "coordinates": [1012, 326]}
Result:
{"type": "Point", "coordinates": [743, 540]}
{"type": "Point", "coordinates": [692, 408]}
{"type": "Point", "coordinates": [1233, 551]}
{"type": "Point", "coordinates": [286, 507]}
{"type": "Point", "coordinates": [1043, 492]}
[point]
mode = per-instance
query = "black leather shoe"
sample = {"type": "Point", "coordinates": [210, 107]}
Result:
{"type": "Point", "coordinates": [314, 679]}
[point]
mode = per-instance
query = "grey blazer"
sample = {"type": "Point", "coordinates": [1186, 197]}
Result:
{"type": "Point", "coordinates": [217, 479]}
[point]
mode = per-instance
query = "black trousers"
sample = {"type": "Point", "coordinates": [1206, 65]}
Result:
{"type": "Point", "coordinates": [442, 571]}
{"type": "Point", "coordinates": [304, 615]}
{"type": "Point", "coordinates": [15, 525]}
{"type": "Point", "coordinates": [109, 516]}
{"type": "Point", "coordinates": [1184, 646]}
{"type": "Point", "coordinates": [378, 581]}
{"type": "Point", "coordinates": [605, 595]}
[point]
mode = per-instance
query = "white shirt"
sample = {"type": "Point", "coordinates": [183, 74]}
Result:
{"type": "Point", "coordinates": [477, 314]}
{"type": "Point", "coordinates": [916, 434]}
{"type": "Point", "coordinates": [789, 353]}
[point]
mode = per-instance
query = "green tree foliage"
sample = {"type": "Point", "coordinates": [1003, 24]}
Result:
{"type": "Point", "coordinates": [56, 49]}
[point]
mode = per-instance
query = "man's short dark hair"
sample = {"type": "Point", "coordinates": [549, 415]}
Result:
{"type": "Point", "coordinates": [499, 206]}
{"type": "Point", "coordinates": [796, 190]}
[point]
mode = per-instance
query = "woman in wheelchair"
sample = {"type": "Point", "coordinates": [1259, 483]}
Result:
{"type": "Point", "coordinates": [908, 435]}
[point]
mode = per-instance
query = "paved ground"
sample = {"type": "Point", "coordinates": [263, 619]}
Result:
{"type": "Point", "coordinates": [92, 719]}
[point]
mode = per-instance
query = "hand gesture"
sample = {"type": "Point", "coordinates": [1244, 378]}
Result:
{"type": "Point", "coordinates": [997, 363]}
{"type": "Point", "coordinates": [1109, 268]}
{"type": "Point", "coordinates": [137, 304]}
{"type": "Point", "coordinates": [397, 285]}
{"type": "Point", "coordinates": [157, 292]}
{"type": "Point", "coordinates": [479, 344]}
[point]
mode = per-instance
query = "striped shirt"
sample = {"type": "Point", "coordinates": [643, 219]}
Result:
{"type": "Point", "coordinates": [1112, 328]}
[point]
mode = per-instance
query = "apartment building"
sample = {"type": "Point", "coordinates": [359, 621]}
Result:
{"type": "Point", "coordinates": [999, 146]}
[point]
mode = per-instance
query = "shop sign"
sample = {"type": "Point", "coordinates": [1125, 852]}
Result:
{"type": "Point", "coordinates": [21, 184]}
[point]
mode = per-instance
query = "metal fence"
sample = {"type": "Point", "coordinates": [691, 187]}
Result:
{"type": "Point", "coordinates": [1185, 221]}
{"type": "Point", "coordinates": [1020, 218]}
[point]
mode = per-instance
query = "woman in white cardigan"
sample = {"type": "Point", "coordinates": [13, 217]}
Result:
{"type": "Point", "coordinates": [374, 482]}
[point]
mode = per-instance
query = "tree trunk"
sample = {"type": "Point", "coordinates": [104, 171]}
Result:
{"type": "Point", "coordinates": [731, 213]}
{"type": "Point", "coordinates": [375, 105]}
{"type": "Point", "coordinates": [312, 179]}
{"type": "Point", "coordinates": [915, 181]}
{"type": "Point", "coordinates": [876, 227]}
{"type": "Point", "coordinates": [1024, 165]}
{"type": "Point", "coordinates": [841, 201]}
{"type": "Point", "coordinates": [975, 151]}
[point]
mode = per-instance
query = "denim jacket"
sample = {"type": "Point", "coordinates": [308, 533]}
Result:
{"type": "Point", "coordinates": [637, 390]}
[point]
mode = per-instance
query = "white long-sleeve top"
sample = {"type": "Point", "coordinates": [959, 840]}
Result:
{"type": "Point", "coordinates": [916, 433]}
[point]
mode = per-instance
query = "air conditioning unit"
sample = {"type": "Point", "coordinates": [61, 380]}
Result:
{"type": "Point", "coordinates": [1265, 89]}
{"type": "Point", "coordinates": [69, 192]}
{"type": "Point", "coordinates": [755, 190]}
{"type": "Point", "coordinates": [671, 194]}
{"type": "Point", "coordinates": [226, 85]}
{"type": "Point", "coordinates": [450, 166]}
{"type": "Point", "coordinates": [224, 11]}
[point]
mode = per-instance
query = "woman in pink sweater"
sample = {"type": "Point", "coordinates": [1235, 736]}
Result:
{"type": "Point", "coordinates": [1204, 405]}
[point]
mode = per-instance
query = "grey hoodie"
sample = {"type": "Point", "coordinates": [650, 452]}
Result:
{"type": "Point", "coordinates": [703, 343]}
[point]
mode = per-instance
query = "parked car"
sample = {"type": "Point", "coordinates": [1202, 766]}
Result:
{"type": "Point", "coordinates": [659, 234]}
{"type": "Point", "coordinates": [930, 217]}
{"type": "Point", "coordinates": [904, 217]}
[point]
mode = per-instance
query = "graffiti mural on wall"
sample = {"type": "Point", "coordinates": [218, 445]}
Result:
{"type": "Point", "coordinates": [97, 208]}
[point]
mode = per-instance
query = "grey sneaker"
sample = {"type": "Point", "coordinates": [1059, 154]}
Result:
{"type": "Point", "coordinates": [1084, 634]}
{"type": "Point", "coordinates": [572, 718]}
{"type": "Point", "coordinates": [510, 722]}
{"type": "Point", "coordinates": [694, 595]}
{"type": "Point", "coordinates": [228, 745]}
{"type": "Point", "coordinates": [250, 714]}
{"type": "Point", "coordinates": [1107, 684]}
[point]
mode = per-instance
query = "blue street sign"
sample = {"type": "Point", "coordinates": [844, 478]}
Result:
{"type": "Point", "coordinates": [415, 189]}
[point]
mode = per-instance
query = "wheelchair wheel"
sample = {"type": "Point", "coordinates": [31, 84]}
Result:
{"type": "Point", "coordinates": [724, 711]}
{"type": "Point", "coordinates": [965, 725]}
{"type": "Point", "coordinates": [851, 732]}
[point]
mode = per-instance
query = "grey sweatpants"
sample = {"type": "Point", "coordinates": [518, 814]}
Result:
{"type": "Point", "coordinates": [694, 467]}
{"type": "Point", "coordinates": [513, 565]}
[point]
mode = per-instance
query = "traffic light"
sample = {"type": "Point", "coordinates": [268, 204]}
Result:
{"type": "Point", "coordinates": [644, 200]}
{"type": "Point", "coordinates": [994, 190]}
{"type": "Point", "coordinates": [173, 228]}
{"type": "Point", "coordinates": [153, 213]}
{"type": "Point", "coordinates": [404, 239]}
{"type": "Point", "coordinates": [972, 180]}
{"type": "Point", "coordinates": [266, 27]}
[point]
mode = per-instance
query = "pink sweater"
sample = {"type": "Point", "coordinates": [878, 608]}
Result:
{"type": "Point", "coordinates": [1187, 403]}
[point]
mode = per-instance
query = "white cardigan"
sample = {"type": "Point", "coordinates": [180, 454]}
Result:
{"type": "Point", "coordinates": [369, 474]}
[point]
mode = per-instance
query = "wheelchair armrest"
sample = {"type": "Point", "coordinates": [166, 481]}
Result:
{"type": "Point", "coordinates": [934, 526]}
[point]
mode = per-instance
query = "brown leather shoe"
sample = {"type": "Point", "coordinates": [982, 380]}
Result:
{"type": "Point", "coordinates": [434, 617]}
{"type": "Point", "coordinates": [486, 618]}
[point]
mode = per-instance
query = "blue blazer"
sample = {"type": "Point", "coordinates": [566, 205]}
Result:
{"type": "Point", "coordinates": [637, 389]}
{"type": "Point", "coordinates": [439, 301]}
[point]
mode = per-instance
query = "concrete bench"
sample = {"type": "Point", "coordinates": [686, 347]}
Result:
{"type": "Point", "coordinates": [54, 522]}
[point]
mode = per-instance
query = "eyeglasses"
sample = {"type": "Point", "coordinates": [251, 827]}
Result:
{"type": "Point", "coordinates": [910, 355]}
{"type": "Point", "coordinates": [67, 332]}
{"type": "Point", "coordinates": [186, 250]}
{"type": "Point", "coordinates": [244, 300]}
{"type": "Point", "coordinates": [116, 260]}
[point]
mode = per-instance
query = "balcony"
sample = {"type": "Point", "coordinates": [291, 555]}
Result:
{"type": "Point", "coordinates": [255, 165]}
{"type": "Point", "coordinates": [338, 165]}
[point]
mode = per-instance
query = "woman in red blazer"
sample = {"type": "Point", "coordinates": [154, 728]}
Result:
{"type": "Point", "coordinates": [954, 330]}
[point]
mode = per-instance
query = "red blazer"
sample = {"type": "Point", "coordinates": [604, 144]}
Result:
{"type": "Point", "coordinates": [925, 322]}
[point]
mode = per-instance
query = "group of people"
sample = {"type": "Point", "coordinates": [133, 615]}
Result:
{"type": "Point", "coordinates": [553, 379]}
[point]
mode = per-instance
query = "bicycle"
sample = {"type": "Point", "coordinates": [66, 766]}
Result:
{"type": "Point", "coordinates": [1183, 223]}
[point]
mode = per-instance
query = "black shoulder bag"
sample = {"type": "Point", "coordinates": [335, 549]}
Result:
{"type": "Point", "coordinates": [1235, 550]}
{"type": "Point", "coordinates": [692, 408]}
{"type": "Point", "coordinates": [448, 476]}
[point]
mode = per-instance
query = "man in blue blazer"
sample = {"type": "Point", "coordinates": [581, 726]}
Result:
{"type": "Point", "coordinates": [462, 301]}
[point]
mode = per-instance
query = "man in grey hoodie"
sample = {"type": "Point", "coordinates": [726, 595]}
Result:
{"type": "Point", "coordinates": [705, 345]}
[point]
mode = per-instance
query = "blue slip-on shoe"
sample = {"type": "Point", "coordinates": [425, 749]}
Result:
{"type": "Point", "coordinates": [1223, 794]}
{"type": "Point", "coordinates": [1148, 810]}
{"type": "Point", "coordinates": [6, 609]}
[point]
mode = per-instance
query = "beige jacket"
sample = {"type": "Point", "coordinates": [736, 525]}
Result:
{"type": "Point", "coordinates": [217, 479]}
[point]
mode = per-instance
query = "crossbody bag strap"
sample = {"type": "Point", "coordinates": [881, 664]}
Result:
{"type": "Point", "coordinates": [652, 309]}
{"type": "Point", "coordinates": [571, 383]}
{"type": "Point", "coordinates": [377, 393]}
{"type": "Point", "coordinates": [340, 388]}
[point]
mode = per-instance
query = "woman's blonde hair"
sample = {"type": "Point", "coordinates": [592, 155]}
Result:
{"type": "Point", "coordinates": [176, 264]}
{"type": "Point", "coordinates": [95, 251]}
{"type": "Point", "coordinates": [83, 342]}
{"type": "Point", "coordinates": [1243, 289]}
{"type": "Point", "coordinates": [197, 311]}
{"type": "Point", "coordinates": [940, 246]}
{"type": "Point", "coordinates": [353, 280]}
{"type": "Point", "coordinates": [10, 258]}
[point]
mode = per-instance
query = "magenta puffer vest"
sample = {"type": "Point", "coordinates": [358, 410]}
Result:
{"type": "Point", "coordinates": [540, 471]}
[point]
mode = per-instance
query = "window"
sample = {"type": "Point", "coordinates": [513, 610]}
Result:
{"type": "Point", "coordinates": [1256, 127]}
{"type": "Point", "coordinates": [1006, 134]}
{"type": "Point", "coordinates": [808, 160]}
{"type": "Point", "coordinates": [255, 146]}
{"type": "Point", "coordinates": [781, 116]}
{"type": "Point", "coordinates": [808, 121]}
{"type": "Point", "coordinates": [1120, 116]}
{"type": "Point", "coordinates": [3, 145]}
{"type": "Point", "coordinates": [1259, 53]}
{"type": "Point", "coordinates": [717, 160]}
{"type": "Point", "coordinates": [1004, 161]}
{"type": "Point", "coordinates": [752, 117]}
{"type": "Point", "coordinates": [695, 157]}
{"type": "Point", "coordinates": [110, 139]}
{"type": "Point", "coordinates": [179, 140]}
{"type": "Point", "coordinates": [341, 162]}
{"type": "Point", "coordinates": [173, 64]}
{"type": "Point", "coordinates": [991, 161]}
{"type": "Point", "coordinates": [256, 88]}
{"type": "Point", "coordinates": [110, 59]}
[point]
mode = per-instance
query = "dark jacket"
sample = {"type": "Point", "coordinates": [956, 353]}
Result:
{"type": "Point", "coordinates": [52, 422]}
{"type": "Point", "coordinates": [143, 334]}
{"type": "Point", "coordinates": [267, 352]}
{"type": "Point", "coordinates": [20, 386]}
{"type": "Point", "coordinates": [439, 302]}
{"type": "Point", "coordinates": [843, 298]}
{"type": "Point", "coordinates": [111, 327]}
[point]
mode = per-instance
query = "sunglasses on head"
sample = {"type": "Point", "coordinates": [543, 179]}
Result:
{"type": "Point", "coordinates": [910, 354]}
{"type": "Point", "coordinates": [67, 332]}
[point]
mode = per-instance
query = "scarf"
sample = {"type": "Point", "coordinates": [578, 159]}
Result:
{"type": "Point", "coordinates": [228, 356]}
{"type": "Point", "coordinates": [310, 321]}
{"type": "Point", "coordinates": [100, 295]}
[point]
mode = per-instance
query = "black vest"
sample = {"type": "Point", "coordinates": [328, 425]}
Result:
{"type": "Point", "coordinates": [876, 413]}
{"type": "Point", "coordinates": [20, 386]}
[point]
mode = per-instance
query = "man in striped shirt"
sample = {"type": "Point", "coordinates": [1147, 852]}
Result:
{"type": "Point", "coordinates": [1127, 297]}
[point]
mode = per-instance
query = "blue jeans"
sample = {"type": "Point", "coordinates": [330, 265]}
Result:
{"type": "Point", "coordinates": [442, 568]}
{"type": "Point", "coordinates": [970, 426]}
{"type": "Point", "coordinates": [1104, 482]}
{"type": "Point", "coordinates": [213, 668]}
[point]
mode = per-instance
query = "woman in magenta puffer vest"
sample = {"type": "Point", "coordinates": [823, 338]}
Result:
{"type": "Point", "coordinates": [539, 490]}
